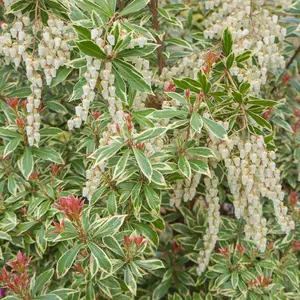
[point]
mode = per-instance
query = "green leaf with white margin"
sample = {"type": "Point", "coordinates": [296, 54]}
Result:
{"type": "Point", "coordinates": [167, 113]}
{"type": "Point", "coordinates": [90, 291]}
{"type": "Point", "coordinates": [164, 13]}
{"type": "Point", "coordinates": [134, 7]}
{"type": "Point", "coordinates": [121, 165]}
{"type": "Point", "coordinates": [48, 154]}
{"type": "Point", "coordinates": [133, 76]}
{"type": "Point", "coordinates": [161, 289]}
{"type": "Point", "coordinates": [184, 166]}
{"type": "Point", "coordinates": [259, 120]}
{"type": "Point", "coordinates": [66, 261]}
{"type": "Point", "coordinates": [113, 245]}
{"type": "Point", "coordinates": [100, 256]}
{"type": "Point", "coordinates": [110, 226]}
{"type": "Point", "coordinates": [150, 264]}
{"type": "Point", "coordinates": [42, 280]}
{"type": "Point", "coordinates": [227, 42]}
{"type": "Point", "coordinates": [137, 51]}
{"type": "Point", "coordinates": [91, 49]}
{"type": "Point", "coordinates": [55, 106]}
{"type": "Point", "coordinates": [196, 122]}
{"type": "Point", "coordinates": [26, 163]}
{"type": "Point", "coordinates": [112, 7]}
{"type": "Point", "coordinates": [200, 166]}
{"type": "Point", "coordinates": [146, 231]}
{"type": "Point", "coordinates": [62, 74]}
{"type": "Point", "coordinates": [63, 293]}
{"type": "Point", "coordinates": [180, 43]}
{"type": "Point", "coordinates": [9, 222]}
{"type": "Point", "coordinates": [104, 153]}
{"type": "Point", "coordinates": [112, 203]}
{"type": "Point", "coordinates": [20, 93]}
{"type": "Point", "coordinates": [153, 199]}
{"type": "Point", "coordinates": [12, 185]}
{"type": "Point", "coordinates": [48, 297]}
{"type": "Point", "coordinates": [4, 236]}
{"type": "Point", "coordinates": [130, 280]}
{"type": "Point", "coordinates": [234, 279]}
{"type": "Point", "coordinates": [177, 97]}
{"type": "Point", "coordinates": [120, 87]}
{"type": "Point", "coordinates": [262, 102]}
{"type": "Point", "coordinates": [143, 163]}
{"type": "Point", "coordinates": [215, 128]}
{"type": "Point", "coordinates": [158, 178]}
{"type": "Point", "coordinates": [11, 146]}
{"type": "Point", "coordinates": [150, 134]}
{"type": "Point", "coordinates": [282, 123]}
{"type": "Point", "coordinates": [201, 151]}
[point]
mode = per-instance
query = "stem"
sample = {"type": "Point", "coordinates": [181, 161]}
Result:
{"type": "Point", "coordinates": [36, 15]}
{"type": "Point", "coordinates": [153, 7]}
{"type": "Point", "coordinates": [122, 4]}
{"type": "Point", "coordinates": [297, 51]}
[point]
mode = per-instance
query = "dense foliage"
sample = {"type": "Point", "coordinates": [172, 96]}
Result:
{"type": "Point", "coordinates": [149, 149]}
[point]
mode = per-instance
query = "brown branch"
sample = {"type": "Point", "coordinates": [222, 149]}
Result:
{"type": "Point", "coordinates": [122, 4]}
{"type": "Point", "coordinates": [153, 7]}
{"type": "Point", "coordinates": [36, 16]}
{"type": "Point", "coordinates": [293, 57]}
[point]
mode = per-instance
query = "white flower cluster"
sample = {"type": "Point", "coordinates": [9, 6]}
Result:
{"type": "Point", "coordinates": [53, 52]}
{"type": "Point", "coordinates": [100, 73]}
{"type": "Point", "coordinates": [115, 106]}
{"type": "Point", "coordinates": [184, 189]}
{"type": "Point", "coordinates": [53, 49]}
{"type": "Point", "coordinates": [32, 108]}
{"type": "Point", "coordinates": [93, 176]}
{"type": "Point", "coordinates": [253, 28]}
{"type": "Point", "coordinates": [252, 174]}
{"type": "Point", "coordinates": [143, 66]}
{"type": "Point", "coordinates": [177, 193]}
{"type": "Point", "coordinates": [191, 186]}
{"type": "Point", "coordinates": [155, 145]}
{"type": "Point", "coordinates": [282, 3]}
{"type": "Point", "coordinates": [189, 66]}
{"type": "Point", "coordinates": [15, 41]}
{"type": "Point", "coordinates": [213, 218]}
{"type": "Point", "coordinates": [91, 75]}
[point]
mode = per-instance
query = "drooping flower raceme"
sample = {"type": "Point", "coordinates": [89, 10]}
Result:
{"type": "Point", "coordinates": [253, 28]}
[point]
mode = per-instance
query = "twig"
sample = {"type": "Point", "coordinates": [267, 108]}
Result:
{"type": "Point", "coordinates": [153, 7]}
{"type": "Point", "coordinates": [293, 57]}
{"type": "Point", "coordinates": [36, 15]}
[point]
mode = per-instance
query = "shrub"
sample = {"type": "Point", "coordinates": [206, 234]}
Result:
{"type": "Point", "coordinates": [149, 149]}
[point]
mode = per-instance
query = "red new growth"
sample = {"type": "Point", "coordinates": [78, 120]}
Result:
{"type": "Point", "coordinates": [188, 94]}
{"type": "Point", "coordinates": [20, 264]}
{"type": "Point", "coordinates": [171, 87]}
{"type": "Point", "coordinates": [176, 248]}
{"type": "Point", "coordinates": [71, 206]}
{"type": "Point", "coordinates": [224, 252]}
{"type": "Point", "coordinates": [60, 227]}
{"type": "Point", "coordinates": [129, 122]}
{"type": "Point", "coordinates": [296, 245]}
{"type": "Point", "coordinates": [138, 241]}
{"type": "Point", "coordinates": [293, 198]}
{"type": "Point", "coordinates": [261, 282]}
{"type": "Point", "coordinates": [96, 115]}
{"type": "Point", "coordinates": [241, 249]}
{"type": "Point", "coordinates": [12, 102]}
{"type": "Point", "coordinates": [20, 123]}
{"type": "Point", "coordinates": [286, 79]}
{"type": "Point", "coordinates": [55, 169]}
{"type": "Point", "coordinates": [140, 146]}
